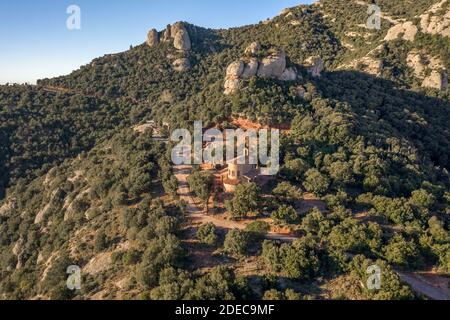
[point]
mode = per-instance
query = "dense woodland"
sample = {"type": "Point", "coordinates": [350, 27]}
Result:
{"type": "Point", "coordinates": [77, 183]}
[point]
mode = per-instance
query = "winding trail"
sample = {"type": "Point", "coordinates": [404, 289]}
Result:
{"type": "Point", "coordinates": [422, 286]}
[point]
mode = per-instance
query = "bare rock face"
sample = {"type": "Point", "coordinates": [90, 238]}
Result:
{"type": "Point", "coordinates": [433, 22]}
{"type": "Point", "coordinates": [234, 72]}
{"type": "Point", "coordinates": [437, 80]}
{"type": "Point", "coordinates": [289, 75]}
{"type": "Point", "coordinates": [250, 69]}
{"type": "Point", "coordinates": [314, 66]}
{"type": "Point", "coordinates": [152, 38]}
{"type": "Point", "coordinates": [408, 31]}
{"type": "Point", "coordinates": [428, 69]}
{"type": "Point", "coordinates": [253, 48]}
{"type": "Point", "coordinates": [235, 69]}
{"type": "Point", "coordinates": [181, 65]}
{"type": "Point", "coordinates": [181, 39]}
{"type": "Point", "coordinates": [272, 66]}
{"type": "Point", "coordinates": [167, 34]}
{"type": "Point", "coordinates": [231, 86]}
{"type": "Point", "coordinates": [371, 65]}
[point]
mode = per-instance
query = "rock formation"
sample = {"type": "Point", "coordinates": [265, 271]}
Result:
{"type": "Point", "coordinates": [433, 23]}
{"type": "Point", "coordinates": [152, 38]}
{"type": "Point", "coordinates": [234, 72]}
{"type": "Point", "coordinates": [250, 69]}
{"type": "Point", "coordinates": [181, 39]}
{"type": "Point", "coordinates": [428, 69]}
{"type": "Point", "coordinates": [273, 66]}
{"type": "Point", "coordinates": [407, 30]}
{"type": "Point", "coordinates": [253, 48]}
{"type": "Point", "coordinates": [182, 64]}
{"type": "Point", "coordinates": [438, 79]}
{"type": "Point", "coordinates": [314, 66]}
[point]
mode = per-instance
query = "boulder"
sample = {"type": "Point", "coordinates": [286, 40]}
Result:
{"type": "Point", "coordinates": [250, 69]}
{"type": "Point", "coordinates": [289, 75]}
{"type": "Point", "coordinates": [181, 65]}
{"type": "Point", "coordinates": [408, 31]}
{"type": "Point", "coordinates": [314, 66]}
{"type": "Point", "coordinates": [272, 66]}
{"type": "Point", "coordinates": [152, 38]}
{"type": "Point", "coordinates": [253, 48]}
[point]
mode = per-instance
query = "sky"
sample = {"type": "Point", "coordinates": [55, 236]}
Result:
{"type": "Point", "coordinates": [35, 42]}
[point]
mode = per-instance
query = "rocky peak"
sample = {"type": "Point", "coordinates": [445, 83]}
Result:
{"type": "Point", "coordinates": [181, 38]}
{"type": "Point", "coordinates": [152, 38]}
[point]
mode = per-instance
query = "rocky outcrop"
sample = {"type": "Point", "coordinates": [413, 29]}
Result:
{"type": "Point", "coordinates": [253, 48]}
{"type": "Point", "coordinates": [152, 38]}
{"type": "Point", "coordinates": [250, 69]}
{"type": "Point", "coordinates": [176, 33]}
{"type": "Point", "coordinates": [231, 86]}
{"type": "Point", "coordinates": [436, 20]}
{"type": "Point", "coordinates": [428, 69]}
{"type": "Point", "coordinates": [234, 72]}
{"type": "Point", "coordinates": [438, 79]}
{"type": "Point", "coordinates": [407, 30]}
{"type": "Point", "coordinates": [181, 38]}
{"type": "Point", "coordinates": [235, 69]}
{"type": "Point", "coordinates": [272, 66]}
{"type": "Point", "coordinates": [182, 64]}
{"type": "Point", "coordinates": [314, 66]}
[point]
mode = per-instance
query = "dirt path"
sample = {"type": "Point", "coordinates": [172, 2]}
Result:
{"type": "Point", "coordinates": [197, 215]}
{"type": "Point", "coordinates": [424, 287]}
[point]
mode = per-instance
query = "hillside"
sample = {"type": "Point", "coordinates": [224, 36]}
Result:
{"type": "Point", "coordinates": [368, 112]}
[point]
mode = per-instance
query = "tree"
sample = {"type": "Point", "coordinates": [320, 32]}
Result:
{"type": "Point", "coordinates": [207, 234]}
{"type": "Point", "coordinates": [201, 183]}
{"type": "Point", "coordinates": [246, 199]}
{"type": "Point", "coordinates": [285, 215]}
{"type": "Point", "coordinates": [400, 252]}
{"type": "Point", "coordinates": [258, 229]}
{"type": "Point", "coordinates": [286, 192]}
{"type": "Point", "coordinates": [316, 182]}
{"type": "Point", "coordinates": [236, 243]}
{"type": "Point", "coordinates": [170, 185]}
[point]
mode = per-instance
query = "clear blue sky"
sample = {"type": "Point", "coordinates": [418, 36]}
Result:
{"type": "Point", "coordinates": [35, 42]}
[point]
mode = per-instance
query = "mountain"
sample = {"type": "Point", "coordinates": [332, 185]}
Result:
{"type": "Point", "coordinates": [367, 112]}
